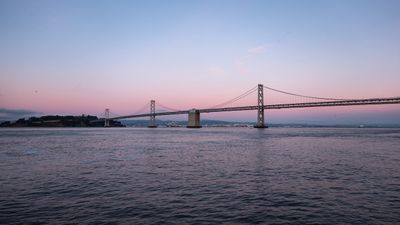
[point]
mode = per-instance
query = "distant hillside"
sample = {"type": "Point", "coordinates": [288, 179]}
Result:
{"type": "Point", "coordinates": [88, 121]}
{"type": "Point", "coordinates": [60, 121]}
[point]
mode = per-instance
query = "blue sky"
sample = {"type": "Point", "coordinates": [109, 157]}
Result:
{"type": "Point", "coordinates": [73, 57]}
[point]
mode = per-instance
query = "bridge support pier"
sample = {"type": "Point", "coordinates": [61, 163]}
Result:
{"type": "Point", "coordinates": [194, 119]}
{"type": "Point", "coordinates": [152, 122]}
{"type": "Point", "coordinates": [260, 108]}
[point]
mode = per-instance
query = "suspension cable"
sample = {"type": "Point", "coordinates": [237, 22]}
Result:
{"type": "Point", "coordinates": [250, 91]}
{"type": "Point", "coordinates": [168, 108]}
{"type": "Point", "coordinates": [304, 96]}
{"type": "Point", "coordinates": [112, 114]}
{"type": "Point", "coordinates": [141, 110]}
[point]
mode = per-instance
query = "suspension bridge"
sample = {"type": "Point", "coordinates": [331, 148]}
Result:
{"type": "Point", "coordinates": [194, 114]}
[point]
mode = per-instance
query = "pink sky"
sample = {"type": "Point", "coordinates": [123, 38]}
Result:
{"type": "Point", "coordinates": [73, 58]}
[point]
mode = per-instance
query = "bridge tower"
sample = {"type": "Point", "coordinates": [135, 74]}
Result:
{"type": "Point", "coordinates": [152, 122]}
{"type": "Point", "coordinates": [260, 108]}
{"type": "Point", "coordinates": [107, 118]}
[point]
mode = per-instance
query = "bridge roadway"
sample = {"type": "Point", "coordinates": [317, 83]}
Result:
{"type": "Point", "coordinates": [369, 101]}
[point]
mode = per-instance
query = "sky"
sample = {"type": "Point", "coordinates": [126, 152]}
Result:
{"type": "Point", "coordinates": [80, 57]}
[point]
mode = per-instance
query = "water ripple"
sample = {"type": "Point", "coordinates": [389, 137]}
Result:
{"type": "Point", "coordinates": [205, 176]}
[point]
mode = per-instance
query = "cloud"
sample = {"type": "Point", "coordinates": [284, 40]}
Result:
{"type": "Point", "coordinates": [241, 65]}
{"type": "Point", "coordinates": [13, 114]}
{"type": "Point", "coordinates": [258, 49]}
{"type": "Point", "coordinates": [216, 71]}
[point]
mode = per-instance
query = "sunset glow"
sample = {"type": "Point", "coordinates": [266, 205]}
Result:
{"type": "Point", "coordinates": [71, 57]}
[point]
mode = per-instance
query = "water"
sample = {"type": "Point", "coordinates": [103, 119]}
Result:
{"type": "Point", "coordinates": [200, 176]}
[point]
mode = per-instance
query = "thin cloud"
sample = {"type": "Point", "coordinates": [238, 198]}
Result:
{"type": "Point", "coordinates": [258, 49]}
{"type": "Point", "coordinates": [241, 66]}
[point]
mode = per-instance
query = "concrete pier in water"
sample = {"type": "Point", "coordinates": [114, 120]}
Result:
{"type": "Point", "coordinates": [194, 119]}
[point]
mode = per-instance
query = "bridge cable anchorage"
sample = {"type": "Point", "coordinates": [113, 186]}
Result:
{"type": "Point", "coordinates": [166, 107]}
{"type": "Point", "coordinates": [245, 94]}
{"type": "Point", "coordinates": [306, 96]}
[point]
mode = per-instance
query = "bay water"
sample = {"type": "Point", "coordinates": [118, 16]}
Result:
{"type": "Point", "coordinates": [199, 176]}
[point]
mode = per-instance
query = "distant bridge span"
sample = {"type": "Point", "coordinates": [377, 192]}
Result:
{"type": "Point", "coordinates": [194, 114]}
{"type": "Point", "coordinates": [369, 101]}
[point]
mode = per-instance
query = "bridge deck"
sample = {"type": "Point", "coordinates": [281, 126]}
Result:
{"type": "Point", "coordinates": [370, 101]}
